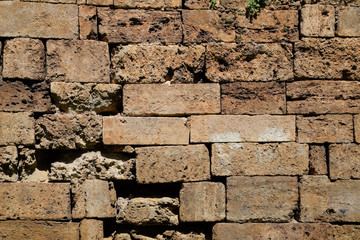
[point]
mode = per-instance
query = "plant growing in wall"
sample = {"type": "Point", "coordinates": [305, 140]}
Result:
{"type": "Point", "coordinates": [253, 7]}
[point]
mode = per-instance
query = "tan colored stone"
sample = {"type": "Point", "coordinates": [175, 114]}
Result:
{"type": "Point", "coordinates": [170, 100]}
{"type": "Point", "coordinates": [317, 21]}
{"type": "Point", "coordinates": [175, 235]}
{"type": "Point", "coordinates": [231, 128]}
{"type": "Point", "coordinates": [91, 229]}
{"type": "Point", "coordinates": [39, 230]}
{"type": "Point", "coordinates": [322, 200]}
{"type": "Point", "coordinates": [35, 201]}
{"type": "Point", "coordinates": [156, 63]}
{"type": "Point", "coordinates": [50, 1]}
{"type": "Point", "coordinates": [172, 164]}
{"type": "Point", "coordinates": [319, 59]}
{"type": "Point", "coordinates": [100, 2]}
{"type": "Point", "coordinates": [1, 57]}
{"type": "Point", "coordinates": [334, 2]}
{"type": "Point", "coordinates": [122, 236]}
{"type": "Point", "coordinates": [24, 58]}
{"type": "Point", "coordinates": [88, 22]}
{"type": "Point", "coordinates": [148, 211]}
{"type": "Point", "coordinates": [234, 4]}
{"type": "Point", "coordinates": [139, 26]}
{"type": "Point", "coordinates": [145, 131]}
{"type": "Point", "coordinates": [253, 98]}
{"type": "Point", "coordinates": [344, 161]}
{"type": "Point", "coordinates": [347, 24]}
{"type": "Point", "coordinates": [261, 198]}
{"type": "Point", "coordinates": [8, 164]}
{"type": "Point", "coordinates": [249, 62]}
{"type": "Point", "coordinates": [32, 166]}
{"type": "Point", "coordinates": [148, 4]}
{"type": "Point", "coordinates": [38, 20]}
{"type": "Point", "coordinates": [199, 4]}
{"type": "Point", "coordinates": [317, 157]}
{"type": "Point", "coordinates": [68, 131]}
{"type": "Point", "coordinates": [17, 128]}
{"type": "Point", "coordinates": [229, 159]}
{"type": "Point", "coordinates": [346, 232]}
{"type": "Point", "coordinates": [357, 128]}
{"type": "Point", "coordinates": [325, 128]}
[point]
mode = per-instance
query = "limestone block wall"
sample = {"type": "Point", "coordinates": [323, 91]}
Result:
{"type": "Point", "coordinates": [179, 120]}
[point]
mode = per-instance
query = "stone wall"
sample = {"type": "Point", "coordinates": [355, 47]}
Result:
{"type": "Point", "coordinates": [179, 120]}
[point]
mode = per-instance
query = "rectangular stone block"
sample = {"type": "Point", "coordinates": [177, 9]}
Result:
{"type": "Point", "coordinates": [91, 229]}
{"type": "Point", "coordinates": [344, 161]}
{"type": "Point", "coordinates": [229, 159]}
{"type": "Point", "coordinates": [35, 201]}
{"type": "Point", "coordinates": [199, 4]}
{"type": "Point", "coordinates": [100, 2]}
{"type": "Point", "coordinates": [317, 20]}
{"type": "Point", "coordinates": [322, 200]}
{"type": "Point", "coordinates": [172, 164]}
{"type": "Point", "coordinates": [318, 161]}
{"type": "Point", "coordinates": [261, 199]}
{"type": "Point", "coordinates": [325, 129]}
{"type": "Point", "coordinates": [171, 100]}
{"type": "Point", "coordinates": [38, 20]}
{"type": "Point", "coordinates": [249, 62]}
{"type": "Point", "coordinates": [51, 1]}
{"type": "Point", "coordinates": [253, 98]}
{"type": "Point", "coordinates": [348, 22]}
{"type": "Point", "coordinates": [17, 128]}
{"type": "Point", "coordinates": [357, 128]}
{"type": "Point", "coordinates": [145, 131]}
{"type": "Point", "coordinates": [231, 128]}
{"type": "Point", "coordinates": [88, 22]}
{"type": "Point", "coordinates": [139, 26]}
{"type": "Point", "coordinates": [9, 164]}
{"type": "Point", "coordinates": [148, 4]}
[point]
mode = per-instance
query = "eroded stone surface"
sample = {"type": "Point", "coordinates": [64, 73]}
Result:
{"type": "Point", "coordinates": [344, 161]}
{"type": "Point", "coordinates": [17, 128]}
{"type": "Point", "coordinates": [88, 22]}
{"type": "Point", "coordinates": [8, 164]}
{"type": "Point", "coordinates": [347, 22]}
{"type": "Point", "coordinates": [148, 4]}
{"type": "Point", "coordinates": [167, 235]}
{"type": "Point", "coordinates": [317, 157]}
{"type": "Point", "coordinates": [198, 4]}
{"type": "Point", "coordinates": [100, 2]}
{"type": "Point", "coordinates": [317, 20]}
{"type": "Point", "coordinates": [357, 128]}
{"type": "Point", "coordinates": [91, 229]}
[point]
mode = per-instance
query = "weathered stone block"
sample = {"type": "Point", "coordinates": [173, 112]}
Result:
{"type": "Point", "coordinates": [333, 2]}
{"type": "Point", "coordinates": [346, 232]}
{"type": "Point", "coordinates": [88, 22]}
{"type": "Point", "coordinates": [177, 99]}
{"type": "Point", "coordinates": [78, 61]}
{"type": "Point", "coordinates": [322, 200]}
{"type": "Point", "coordinates": [230, 159]}
{"type": "Point", "coordinates": [148, 4]}
{"type": "Point", "coordinates": [139, 26]}
{"type": "Point", "coordinates": [253, 98]}
{"type": "Point", "coordinates": [317, 157]}
{"type": "Point", "coordinates": [31, 166]}
{"type": "Point", "coordinates": [317, 21]}
{"type": "Point", "coordinates": [35, 201]}
{"type": "Point", "coordinates": [91, 229]}
{"type": "Point", "coordinates": [8, 164]}
{"type": "Point", "coordinates": [261, 199]}
{"type": "Point", "coordinates": [145, 131]}
{"type": "Point", "coordinates": [348, 22]}
{"type": "Point", "coordinates": [230, 128]}
{"type": "Point", "coordinates": [198, 4]}
{"type": "Point", "coordinates": [249, 62]}
{"type": "Point", "coordinates": [20, 19]}
{"type": "Point", "coordinates": [344, 161]}
{"type": "Point", "coordinates": [325, 128]}
{"type": "Point", "coordinates": [156, 63]}
{"type": "Point", "coordinates": [234, 4]}
{"type": "Point", "coordinates": [357, 128]}
{"type": "Point", "coordinates": [51, 1]}
{"type": "Point", "coordinates": [17, 128]}
{"type": "Point", "coordinates": [100, 2]}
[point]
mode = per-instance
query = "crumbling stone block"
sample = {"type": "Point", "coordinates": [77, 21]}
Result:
{"type": "Point", "coordinates": [317, 157]}
{"type": "Point", "coordinates": [17, 128]}
{"type": "Point", "coordinates": [317, 20]}
{"type": "Point", "coordinates": [149, 4]}
{"type": "Point", "coordinates": [29, 168]}
{"type": "Point", "coordinates": [344, 161]}
{"type": "Point", "coordinates": [8, 164]}
{"type": "Point", "coordinates": [347, 25]}
{"type": "Point", "coordinates": [88, 22]}
{"type": "Point", "coordinates": [91, 229]}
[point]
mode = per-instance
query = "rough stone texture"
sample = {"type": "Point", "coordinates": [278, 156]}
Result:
{"type": "Point", "coordinates": [93, 199]}
{"type": "Point", "coordinates": [175, 235]}
{"type": "Point", "coordinates": [249, 62]}
{"type": "Point", "coordinates": [156, 63]}
{"type": "Point", "coordinates": [148, 211]}
{"type": "Point", "coordinates": [268, 199]}
{"type": "Point", "coordinates": [17, 128]}
{"type": "Point", "coordinates": [177, 99]}
{"type": "Point", "coordinates": [93, 165]}
{"type": "Point", "coordinates": [35, 201]}
{"type": "Point", "coordinates": [261, 128]}
{"type": "Point", "coordinates": [334, 2]}
{"type": "Point", "coordinates": [24, 58]}
{"type": "Point", "coordinates": [78, 61]}
{"type": "Point", "coordinates": [32, 167]}
{"type": "Point", "coordinates": [145, 131]}
{"type": "Point", "coordinates": [346, 232]}
{"type": "Point", "coordinates": [77, 97]}
{"type": "Point", "coordinates": [357, 128]}
{"type": "Point", "coordinates": [172, 164]}
{"type": "Point", "coordinates": [139, 26]}
{"type": "Point", "coordinates": [319, 59]}
{"type": "Point", "coordinates": [91, 229]}
{"type": "Point", "coordinates": [322, 200]}
{"type": "Point", "coordinates": [88, 22]}
{"type": "Point", "coordinates": [234, 4]}
{"type": "Point", "coordinates": [230, 159]}
{"type": "Point", "coordinates": [325, 128]}
{"type": "Point", "coordinates": [253, 98]}
{"type": "Point", "coordinates": [347, 22]}
{"type": "Point", "coordinates": [100, 2]}
{"type": "Point", "coordinates": [198, 4]}
{"type": "Point", "coordinates": [20, 19]}
{"type": "Point", "coordinates": [317, 157]}
{"type": "Point", "coordinates": [51, 1]}
{"type": "Point", "coordinates": [148, 4]}
{"type": "Point", "coordinates": [344, 161]}
{"type": "Point", "coordinates": [68, 131]}
{"type": "Point", "coordinates": [8, 164]}
{"type": "Point", "coordinates": [38, 230]}
{"type": "Point", "coordinates": [317, 21]}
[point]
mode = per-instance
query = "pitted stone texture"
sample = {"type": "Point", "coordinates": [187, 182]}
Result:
{"type": "Point", "coordinates": [317, 21]}
{"type": "Point", "coordinates": [21, 19]}
{"type": "Point", "coordinates": [334, 2]}
{"type": "Point", "coordinates": [68, 131]}
{"type": "Point", "coordinates": [8, 164]}
{"type": "Point", "coordinates": [93, 199]}
{"type": "Point", "coordinates": [346, 232]}
{"type": "Point", "coordinates": [156, 63]}
{"type": "Point", "coordinates": [229, 159]}
{"type": "Point", "coordinates": [317, 157]}
{"type": "Point", "coordinates": [77, 97]}
{"type": "Point", "coordinates": [357, 128]}
{"type": "Point", "coordinates": [202, 202]}
{"type": "Point", "coordinates": [145, 131]}
{"type": "Point", "coordinates": [175, 235]}
{"type": "Point", "coordinates": [148, 4]}
{"type": "Point", "coordinates": [139, 26]}
{"type": "Point", "coordinates": [198, 4]}
{"type": "Point", "coordinates": [37, 230]}
{"type": "Point", "coordinates": [347, 25]}
{"type": "Point", "coordinates": [35, 201]}
{"type": "Point", "coordinates": [319, 59]}
{"type": "Point", "coordinates": [24, 58]}
{"type": "Point", "coordinates": [17, 128]}
{"type": "Point", "coordinates": [268, 199]}
{"type": "Point", "coordinates": [344, 161]}
{"type": "Point", "coordinates": [147, 211]}
{"type": "Point", "coordinates": [30, 169]}
{"type": "Point", "coordinates": [170, 100]}
{"type": "Point", "coordinates": [253, 98]}
{"type": "Point", "coordinates": [93, 165]}
{"type": "Point", "coordinates": [322, 200]}
{"type": "Point", "coordinates": [100, 2]}
{"type": "Point", "coordinates": [249, 62]}
{"type": "Point", "coordinates": [172, 164]}
{"type": "Point", "coordinates": [230, 128]}
{"type": "Point", "coordinates": [78, 61]}
{"type": "Point", "coordinates": [325, 128]}
{"type": "Point", "coordinates": [91, 229]}
{"type": "Point", "coordinates": [88, 22]}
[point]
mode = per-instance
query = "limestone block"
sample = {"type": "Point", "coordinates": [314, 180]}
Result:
{"type": "Point", "coordinates": [8, 164]}
{"type": "Point", "coordinates": [17, 128]}
{"type": "Point", "coordinates": [344, 161]}
{"type": "Point", "coordinates": [91, 229]}
{"type": "Point", "coordinates": [348, 22]}
{"type": "Point", "coordinates": [317, 21]}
